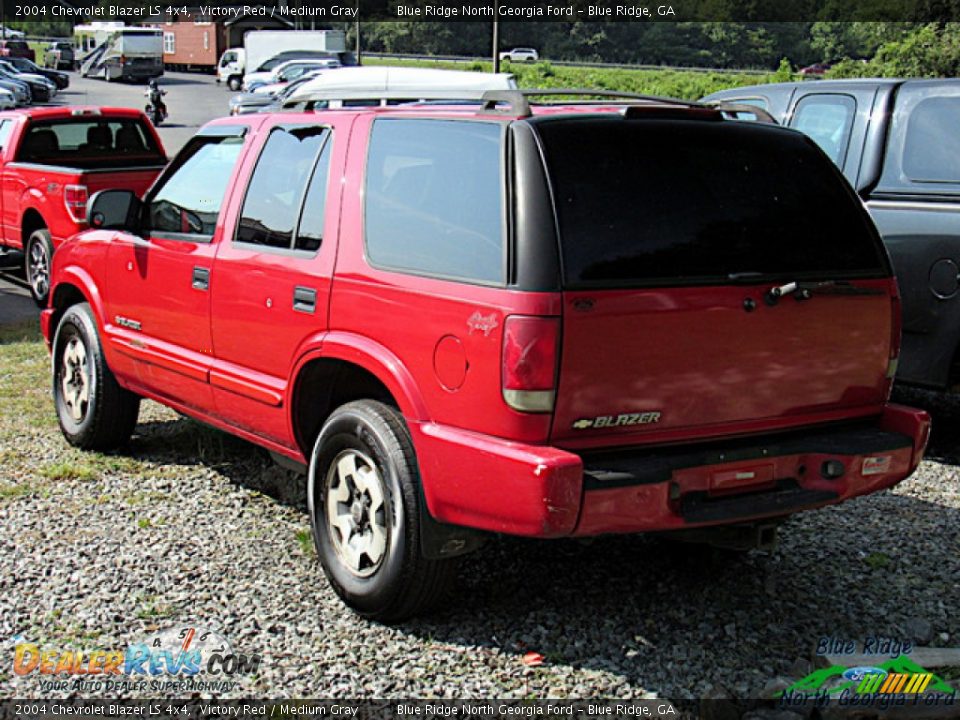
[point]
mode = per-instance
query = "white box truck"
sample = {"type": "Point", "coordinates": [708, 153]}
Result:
{"type": "Point", "coordinates": [261, 47]}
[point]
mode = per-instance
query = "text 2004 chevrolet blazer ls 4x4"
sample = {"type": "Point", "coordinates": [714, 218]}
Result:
{"type": "Point", "coordinates": [554, 322]}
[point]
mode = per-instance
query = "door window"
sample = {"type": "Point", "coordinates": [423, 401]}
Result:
{"type": "Point", "coordinates": [276, 191]}
{"type": "Point", "coordinates": [189, 199]}
{"type": "Point", "coordinates": [827, 119]}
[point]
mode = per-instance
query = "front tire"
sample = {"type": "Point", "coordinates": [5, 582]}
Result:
{"type": "Point", "coordinates": [234, 83]}
{"type": "Point", "coordinates": [37, 259]}
{"type": "Point", "coordinates": [365, 503]}
{"type": "Point", "coordinates": [94, 412]}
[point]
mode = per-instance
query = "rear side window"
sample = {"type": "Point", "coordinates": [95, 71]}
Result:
{"type": "Point", "coordinates": [932, 142]}
{"type": "Point", "coordinates": [827, 119]}
{"type": "Point", "coordinates": [434, 199]}
{"type": "Point", "coordinates": [278, 185]}
{"type": "Point", "coordinates": [87, 143]}
{"type": "Point", "coordinates": [648, 202]}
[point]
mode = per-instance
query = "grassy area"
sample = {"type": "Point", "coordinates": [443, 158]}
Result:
{"type": "Point", "coordinates": [689, 85]}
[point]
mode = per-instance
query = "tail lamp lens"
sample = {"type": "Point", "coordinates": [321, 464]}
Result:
{"type": "Point", "coordinates": [75, 198]}
{"type": "Point", "coordinates": [530, 351]}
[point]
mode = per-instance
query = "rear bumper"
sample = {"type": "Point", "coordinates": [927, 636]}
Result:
{"type": "Point", "coordinates": [492, 484]}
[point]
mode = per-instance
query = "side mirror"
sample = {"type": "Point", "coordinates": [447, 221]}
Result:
{"type": "Point", "coordinates": [115, 210]}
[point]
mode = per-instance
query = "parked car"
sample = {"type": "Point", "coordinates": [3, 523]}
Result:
{"type": "Point", "coordinates": [520, 55]}
{"type": "Point", "coordinates": [243, 103]}
{"type": "Point", "coordinates": [41, 89]}
{"type": "Point", "coordinates": [60, 55]}
{"type": "Point", "coordinates": [52, 160]}
{"type": "Point", "coordinates": [8, 100]}
{"type": "Point", "coordinates": [288, 69]}
{"type": "Point", "coordinates": [20, 90]}
{"type": "Point", "coordinates": [392, 85]}
{"type": "Point", "coordinates": [453, 339]}
{"type": "Point", "coordinates": [16, 48]}
{"type": "Point", "coordinates": [271, 81]}
{"type": "Point", "coordinates": [60, 79]}
{"type": "Point", "coordinates": [815, 70]}
{"type": "Point", "coordinates": [897, 144]}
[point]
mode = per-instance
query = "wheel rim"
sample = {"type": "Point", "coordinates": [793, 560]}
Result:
{"type": "Point", "coordinates": [357, 517]}
{"type": "Point", "coordinates": [75, 379]}
{"type": "Point", "coordinates": [39, 269]}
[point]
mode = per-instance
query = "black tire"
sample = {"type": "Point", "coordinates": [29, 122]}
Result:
{"type": "Point", "coordinates": [37, 257]}
{"type": "Point", "coordinates": [401, 582]}
{"type": "Point", "coordinates": [234, 83]}
{"type": "Point", "coordinates": [105, 419]}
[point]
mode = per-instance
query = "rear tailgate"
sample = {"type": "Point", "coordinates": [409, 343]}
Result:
{"type": "Point", "coordinates": [675, 236]}
{"type": "Point", "coordinates": [138, 179]}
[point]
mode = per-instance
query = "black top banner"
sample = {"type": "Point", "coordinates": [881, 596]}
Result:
{"type": "Point", "coordinates": [569, 11]}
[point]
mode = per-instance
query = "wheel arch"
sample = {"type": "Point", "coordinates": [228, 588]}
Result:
{"type": "Point", "coordinates": [31, 221]}
{"type": "Point", "coordinates": [74, 286]}
{"type": "Point", "coordinates": [342, 367]}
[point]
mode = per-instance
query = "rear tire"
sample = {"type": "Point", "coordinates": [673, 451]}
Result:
{"type": "Point", "coordinates": [36, 260]}
{"type": "Point", "coordinates": [365, 503]}
{"type": "Point", "coordinates": [94, 412]}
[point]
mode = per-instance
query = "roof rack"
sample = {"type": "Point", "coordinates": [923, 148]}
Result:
{"type": "Point", "coordinates": [306, 101]}
{"type": "Point", "coordinates": [519, 105]}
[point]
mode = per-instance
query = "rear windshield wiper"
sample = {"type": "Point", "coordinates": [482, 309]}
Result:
{"type": "Point", "coordinates": [806, 290]}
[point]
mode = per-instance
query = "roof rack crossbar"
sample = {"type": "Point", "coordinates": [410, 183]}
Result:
{"type": "Point", "coordinates": [517, 99]}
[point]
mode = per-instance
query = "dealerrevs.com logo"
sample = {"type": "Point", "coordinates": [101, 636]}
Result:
{"type": "Point", "coordinates": [182, 658]}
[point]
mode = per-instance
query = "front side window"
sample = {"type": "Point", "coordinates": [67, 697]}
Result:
{"type": "Point", "coordinates": [277, 187]}
{"type": "Point", "coordinates": [827, 119]}
{"type": "Point", "coordinates": [189, 200]}
{"type": "Point", "coordinates": [5, 127]}
{"type": "Point", "coordinates": [434, 198]}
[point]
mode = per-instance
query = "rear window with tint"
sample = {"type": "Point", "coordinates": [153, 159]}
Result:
{"type": "Point", "coordinates": [648, 202]}
{"type": "Point", "coordinates": [87, 143]}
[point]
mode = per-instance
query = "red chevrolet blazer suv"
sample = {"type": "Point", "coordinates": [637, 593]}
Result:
{"type": "Point", "coordinates": [552, 320]}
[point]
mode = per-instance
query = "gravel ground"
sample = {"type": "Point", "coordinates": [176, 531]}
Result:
{"type": "Point", "coordinates": [192, 526]}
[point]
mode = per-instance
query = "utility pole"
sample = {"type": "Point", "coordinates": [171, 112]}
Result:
{"type": "Point", "coordinates": [496, 37]}
{"type": "Point", "coordinates": [356, 32]}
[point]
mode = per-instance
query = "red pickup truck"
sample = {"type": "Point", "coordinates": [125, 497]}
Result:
{"type": "Point", "coordinates": [549, 321]}
{"type": "Point", "coordinates": [52, 160]}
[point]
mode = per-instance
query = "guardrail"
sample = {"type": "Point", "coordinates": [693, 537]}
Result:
{"type": "Point", "coordinates": [567, 63]}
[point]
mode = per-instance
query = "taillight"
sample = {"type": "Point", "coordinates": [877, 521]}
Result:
{"type": "Point", "coordinates": [75, 198]}
{"type": "Point", "coordinates": [123, 59]}
{"type": "Point", "coordinates": [529, 374]}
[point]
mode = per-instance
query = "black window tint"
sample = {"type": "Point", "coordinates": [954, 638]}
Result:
{"type": "Point", "coordinates": [189, 200]}
{"type": "Point", "coordinates": [932, 142]}
{"type": "Point", "coordinates": [433, 201]}
{"type": "Point", "coordinates": [276, 189]}
{"type": "Point", "coordinates": [310, 231]}
{"type": "Point", "coordinates": [828, 120]}
{"type": "Point", "coordinates": [656, 202]}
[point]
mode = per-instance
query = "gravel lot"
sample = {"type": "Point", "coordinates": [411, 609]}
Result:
{"type": "Point", "coordinates": [193, 526]}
